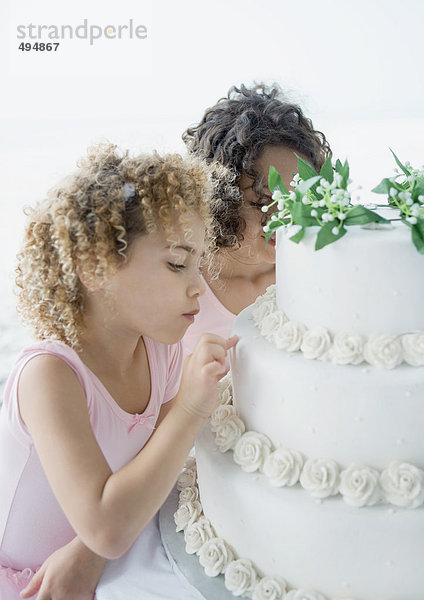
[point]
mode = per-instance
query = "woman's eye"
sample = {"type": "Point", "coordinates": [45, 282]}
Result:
{"type": "Point", "coordinates": [176, 266]}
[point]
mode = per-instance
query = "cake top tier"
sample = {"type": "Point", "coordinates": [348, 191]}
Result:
{"type": "Point", "coordinates": [370, 281]}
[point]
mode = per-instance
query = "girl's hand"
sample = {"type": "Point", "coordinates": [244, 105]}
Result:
{"type": "Point", "coordinates": [202, 370]}
{"type": "Point", "coordinates": [71, 572]}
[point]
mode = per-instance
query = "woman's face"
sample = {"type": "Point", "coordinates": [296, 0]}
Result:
{"type": "Point", "coordinates": [253, 244]}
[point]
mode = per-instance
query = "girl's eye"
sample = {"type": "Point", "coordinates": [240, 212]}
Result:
{"type": "Point", "coordinates": [176, 266]}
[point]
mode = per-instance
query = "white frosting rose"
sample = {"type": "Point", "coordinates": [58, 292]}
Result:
{"type": "Point", "coordinates": [228, 433]}
{"type": "Point", "coordinates": [270, 588]}
{"type": "Point", "coordinates": [225, 397]}
{"type": "Point", "coordinates": [413, 349]}
{"type": "Point", "coordinates": [403, 484]}
{"type": "Point", "coordinates": [316, 342]}
{"type": "Point", "coordinates": [187, 513]}
{"type": "Point", "coordinates": [190, 463]}
{"type": "Point", "coordinates": [221, 414]}
{"type": "Point", "coordinates": [240, 577]}
{"type": "Point", "coordinates": [290, 336]}
{"type": "Point", "coordinates": [251, 451]}
{"type": "Point", "coordinates": [225, 383]}
{"type": "Point", "coordinates": [320, 477]}
{"type": "Point", "coordinates": [263, 307]}
{"type": "Point", "coordinates": [215, 556]}
{"type": "Point", "coordinates": [304, 595]}
{"type": "Point", "coordinates": [197, 534]}
{"type": "Point", "coordinates": [348, 349]}
{"type": "Point", "coordinates": [270, 291]}
{"type": "Point", "coordinates": [360, 485]}
{"type": "Point", "coordinates": [383, 351]}
{"type": "Point", "coordinates": [283, 467]}
{"type": "Point", "coordinates": [188, 494]}
{"type": "Point", "coordinates": [271, 323]}
{"type": "Point", "coordinates": [187, 478]}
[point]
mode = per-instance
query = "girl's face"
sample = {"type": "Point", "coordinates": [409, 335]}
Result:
{"type": "Point", "coordinates": [156, 291]}
{"type": "Point", "coordinates": [253, 244]}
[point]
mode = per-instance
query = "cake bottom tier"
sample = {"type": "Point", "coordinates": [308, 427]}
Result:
{"type": "Point", "coordinates": [370, 553]}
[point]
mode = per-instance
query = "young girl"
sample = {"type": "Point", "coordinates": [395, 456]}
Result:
{"type": "Point", "coordinates": [109, 279]}
{"type": "Point", "coordinates": [247, 131]}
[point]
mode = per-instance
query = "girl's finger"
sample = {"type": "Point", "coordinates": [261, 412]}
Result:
{"type": "Point", "coordinates": [231, 342]}
{"type": "Point", "coordinates": [34, 585]}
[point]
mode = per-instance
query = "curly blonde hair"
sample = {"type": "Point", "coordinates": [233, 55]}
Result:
{"type": "Point", "coordinates": [88, 222]}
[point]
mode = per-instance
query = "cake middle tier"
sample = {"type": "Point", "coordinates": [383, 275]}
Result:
{"type": "Point", "coordinates": [348, 413]}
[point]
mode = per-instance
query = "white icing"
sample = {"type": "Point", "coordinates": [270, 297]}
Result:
{"type": "Point", "coordinates": [383, 351]}
{"type": "Point", "coordinates": [229, 432]}
{"type": "Point", "coordinates": [270, 588]}
{"type": "Point", "coordinates": [189, 494]}
{"type": "Point", "coordinates": [413, 349]}
{"type": "Point", "coordinates": [222, 413]}
{"type": "Point", "coordinates": [320, 477]}
{"type": "Point", "coordinates": [316, 343]}
{"type": "Point", "coordinates": [198, 533]}
{"type": "Point", "coordinates": [403, 484]}
{"type": "Point", "coordinates": [215, 555]}
{"type": "Point", "coordinates": [360, 485]}
{"type": "Point", "coordinates": [187, 513]}
{"type": "Point", "coordinates": [283, 467]}
{"type": "Point", "coordinates": [348, 349]}
{"type": "Point", "coordinates": [251, 451]}
{"type": "Point", "coordinates": [240, 577]}
{"type": "Point", "coordinates": [304, 595]}
{"type": "Point", "coordinates": [342, 348]}
{"type": "Point", "coordinates": [187, 478]}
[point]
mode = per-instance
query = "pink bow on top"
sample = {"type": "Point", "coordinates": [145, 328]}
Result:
{"type": "Point", "coordinates": [143, 420]}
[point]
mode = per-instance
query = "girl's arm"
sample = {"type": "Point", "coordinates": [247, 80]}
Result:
{"type": "Point", "coordinates": [108, 510]}
{"type": "Point", "coordinates": [73, 569]}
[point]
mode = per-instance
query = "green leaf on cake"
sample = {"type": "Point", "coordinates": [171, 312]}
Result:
{"type": "Point", "coordinates": [359, 215]}
{"type": "Point", "coordinates": [417, 234]}
{"type": "Point", "coordinates": [297, 237]}
{"type": "Point", "coordinates": [326, 236]}
{"type": "Point", "coordinates": [400, 165]}
{"type": "Point", "coordinates": [275, 182]}
{"type": "Point", "coordinates": [327, 170]}
{"type": "Point", "coordinates": [301, 215]}
{"type": "Point", "coordinates": [383, 187]}
{"type": "Point", "coordinates": [306, 171]}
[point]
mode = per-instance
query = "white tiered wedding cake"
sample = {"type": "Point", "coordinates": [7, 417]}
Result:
{"type": "Point", "coordinates": [310, 480]}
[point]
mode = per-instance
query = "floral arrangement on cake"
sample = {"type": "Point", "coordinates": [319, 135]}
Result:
{"type": "Point", "coordinates": [323, 200]}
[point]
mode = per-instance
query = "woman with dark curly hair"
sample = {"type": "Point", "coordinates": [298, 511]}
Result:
{"type": "Point", "coordinates": [247, 131]}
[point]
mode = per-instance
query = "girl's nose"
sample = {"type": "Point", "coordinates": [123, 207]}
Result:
{"type": "Point", "coordinates": [196, 287]}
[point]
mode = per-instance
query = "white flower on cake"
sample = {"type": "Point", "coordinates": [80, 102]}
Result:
{"type": "Point", "coordinates": [221, 414]}
{"type": "Point", "coordinates": [188, 494]}
{"type": "Point", "coordinates": [215, 555]}
{"type": "Point", "coordinates": [360, 485]}
{"type": "Point", "coordinates": [224, 383]}
{"type": "Point", "coordinates": [187, 478]}
{"type": "Point", "coordinates": [316, 343]}
{"type": "Point", "coordinates": [240, 577]}
{"type": "Point", "coordinates": [197, 534]}
{"type": "Point", "coordinates": [270, 588]}
{"type": "Point", "coordinates": [271, 323]}
{"type": "Point", "coordinates": [413, 349]}
{"type": "Point", "coordinates": [251, 451]}
{"type": "Point", "coordinates": [403, 484]}
{"type": "Point", "coordinates": [262, 309]}
{"type": "Point", "coordinates": [348, 349]}
{"type": "Point", "coordinates": [289, 337]}
{"type": "Point", "coordinates": [383, 351]}
{"type": "Point", "coordinates": [187, 513]}
{"type": "Point", "coordinates": [304, 595]}
{"type": "Point", "coordinates": [320, 477]}
{"type": "Point", "coordinates": [283, 467]}
{"type": "Point", "coordinates": [228, 433]}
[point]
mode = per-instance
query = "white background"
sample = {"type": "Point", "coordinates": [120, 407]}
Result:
{"type": "Point", "coordinates": [354, 66]}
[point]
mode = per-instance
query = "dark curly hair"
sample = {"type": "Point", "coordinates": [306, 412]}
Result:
{"type": "Point", "coordinates": [235, 132]}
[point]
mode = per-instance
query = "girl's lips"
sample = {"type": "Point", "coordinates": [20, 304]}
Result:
{"type": "Point", "coordinates": [190, 316]}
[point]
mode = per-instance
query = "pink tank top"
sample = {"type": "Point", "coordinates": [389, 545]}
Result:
{"type": "Point", "coordinates": [32, 523]}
